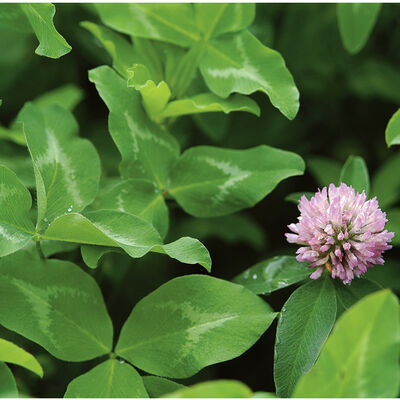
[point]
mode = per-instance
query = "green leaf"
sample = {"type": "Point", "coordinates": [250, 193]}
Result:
{"type": "Point", "coordinates": [241, 63]}
{"type": "Point", "coordinates": [295, 197]}
{"type": "Point", "coordinates": [148, 152]}
{"type": "Point", "coordinates": [110, 379]}
{"type": "Point", "coordinates": [273, 274]}
{"type": "Point", "coordinates": [210, 181]}
{"type": "Point", "coordinates": [305, 321]}
{"type": "Point", "coordinates": [67, 96]}
{"type": "Point", "coordinates": [12, 17]}
{"type": "Point", "coordinates": [191, 322]}
{"type": "Point", "coordinates": [12, 135]}
{"type": "Point", "coordinates": [355, 173]}
{"type": "Point", "coordinates": [347, 295]}
{"type": "Point", "coordinates": [158, 387]}
{"type": "Point", "coordinates": [393, 224]}
{"type": "Point", "coordinates": [56, 305]}
{"type": "Point", "coordinates": [11, 353]}
{"type": "Point", "coordinates": [235, 228]}
{"type": "Point", "coordinates": [16, 227]}
{"type": "Point", "coordinates": [173, 23]}
{"type": "Point", "coordinates": [155, 97]}
{"type": "Point", "coordinates": [138, 197]}
{"type": "Point", "coordinates": [91, 255]}
{"type": "Point", "coordinates": [225, 17]}
{"type": "Point", "coordinates": [67, 168]}
{"type": "Point", "coordinates": [209, 102]}
{"type": "Point", "coordinates": [264, 395]}
{"type": "Point", "coordinates": [119, 49]}
{"type": "Point", "coordinates": [392, 132]}
{"type": "Point", "coordinates": [361, 356]}
{"type": "Point", "coordinates": [386, 184]}
{"type": "Point", "coordinates": [356, 21]}
{"type": "Point", "coordinates": [324, 170]}
{"type": "Point", "coordinates": [8, 387]}
{"type": "Point", "coordinates": [132, 234]}
{"type": "Point", "coordinates": [214, 389]}
{"type": "Point", "coordinates": [22, 166]}
{"type": "Point", "coordinates": [51, 43]}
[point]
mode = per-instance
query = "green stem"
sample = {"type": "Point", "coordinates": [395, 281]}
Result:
{"type": "Point", "coordinates": [40, 251]}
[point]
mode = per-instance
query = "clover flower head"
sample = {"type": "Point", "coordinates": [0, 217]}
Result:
{"type": "Point", "coordinates": [341, 231]}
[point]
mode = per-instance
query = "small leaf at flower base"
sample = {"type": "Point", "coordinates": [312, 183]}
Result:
{"type": "Point", "coordinates": [209, 181]}
{"type": "Point", "coordinates": [132, 234]}
{"type": "Point", "coordinates": [356, 21]}
{"type": "Point", "coordinates": [8, 386]}
{"type": "Point", "coordinates": [393, 129]}
{"type": "Point", "coordinates": [361, 356]}
{"type": "Point", "coordinates": [306, 319]}
{"type": "Point", "coordinates": [228, 17]}
{"type": "Point", "coordinates": [273, 274]}
{"type": "Point", "coordinates": [393, 224]}
{"type": "Point", "coordinates": [214, 389]}
{"type": "Point", "coordinates": [241, 63]}
{"type": "Point", "coordinates": [209, 102]}
{"type": "Point", "coordinates": [40, 16]}
{"type": "Point", "coordinates": [138, 197]}
{"type": "Point", "coordinates": [295, 197]}
{"type": "Point", "coordinates": [11, 353]}
{"type": "Point", "coordinates": [347, 295]}
{"type": "Point", "coordinates": [16, 227]}
{"type": "Point", "coordinates": [192, 322]}
{"type": "Point", "coordinates": [324, 170]}
{"type": "Point", "coordinates": [56, 305]}
{"type": "Point", "coordinates": [110, 379]}
{"type": "Point", "coordinates": [174, 24]}
{"type": "Point", "coordinates": [148, 152]}
{"type": "Point", "coordinates": [158, 387]}
{"type": "Point", "coordinates": [385, 184]}
{"type": "Point", "coordinates": [154, 96]}
{"type": "Point", "coordinates": [119, 49]}
{"type": "Point", "coordinates": [355, 173]}
{"type": "Point", "coordinates": [67, 168]}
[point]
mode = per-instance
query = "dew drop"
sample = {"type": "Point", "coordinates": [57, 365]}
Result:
{"type": "Point", "coordinates": [70, 208]}
{"type": "Point", "coordinates": [121, 361]}
{"type": "Point", "coordinates": [255, 276]}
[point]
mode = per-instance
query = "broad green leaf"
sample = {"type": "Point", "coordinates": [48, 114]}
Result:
{"type": "Point", "coordinates": [56, 305]}
{"type": "Point", "coordinates": [51, 247]}
{"type": "Point", "coordinates": [132, 234]}
{"type": "Point", "coordinates": [119, 49]}
{"type": "Point", "coordinates": [22, 166]}
{"type": "Point", "coordinates": [11, 353]}
{"type": "Point", "coordinates": [295, 197]}
{"type": "Point", "coordinates": [191, 322]}
{"type": "Point", "coordinates": [210, 181]}
{"type": "Point", "coordinates": [356, 21]}
{"type": "Point", "coordinates": [393, 224]}
{"type": "Point", "coordinates": [240, 63]}
{"type": "Point", "coordinates": [173, 23]}
{"type": "Point", "coordinates": [393, 129]}
{"type": "Point", "coordinates": [324, 170]}
{"type": "Point", "coordinates": [110, 379]}
{"type": "Point", "coordinates": [8, 387]}
{"type": "Point", "coordinates": [67, 168]}
{"type": "Point", "coordinates": [147, 151]}
{"type": "Point", "coordinates": [67, 96]}
{"type": "Point", "coordinates": [154, 96]}
{"type": "Point", "coordinates": [305, 321]}
{"type": "Point", "coordinates": [361, 356]}
{"type": "Point", "coordinates": [158, 387]}
{"type": "Point", "coordinates": [138, 197]}
{"type": "Point", "coordinates": [214, 389]}
{"type": "Point", "coordinates": [214, 19]}
{"type": "Point", "coordinates": [209, 102]}
{"type": "Point", "coordinates": [235, 228]}
{"type": "Point", "coordinates": [16, 227]}
{"type": "Point", "coordinates": [12, 135]}
{"type": "Point", "coordinates": [386, 184]}
{"type": "Point", "coordinates": [40, 16]}
{"type": "Point", "coordinates": [273, 274]}
{"type": "Point", "coordinates": [347, 295]}
{"type": "Point", "coordinates": [355, 173]}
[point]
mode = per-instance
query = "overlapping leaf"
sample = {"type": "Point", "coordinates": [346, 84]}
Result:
{"type": "Point", "coordinates": [210, 181]}
{"type": "Point", "coordinates": [110, 379]}
{"type": "Point", "coordinates": [393, 129]}
{"type": "Point", "coordinates": [8, 386]}
{"type": "Point", "coordinates": [56, 305]}
{"type": "Point", "coordinates": [191, 322]}
{"type": "Point", "coordinates": [355, 173]}
{"type": "Point", "coordinates": [158, 387]}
